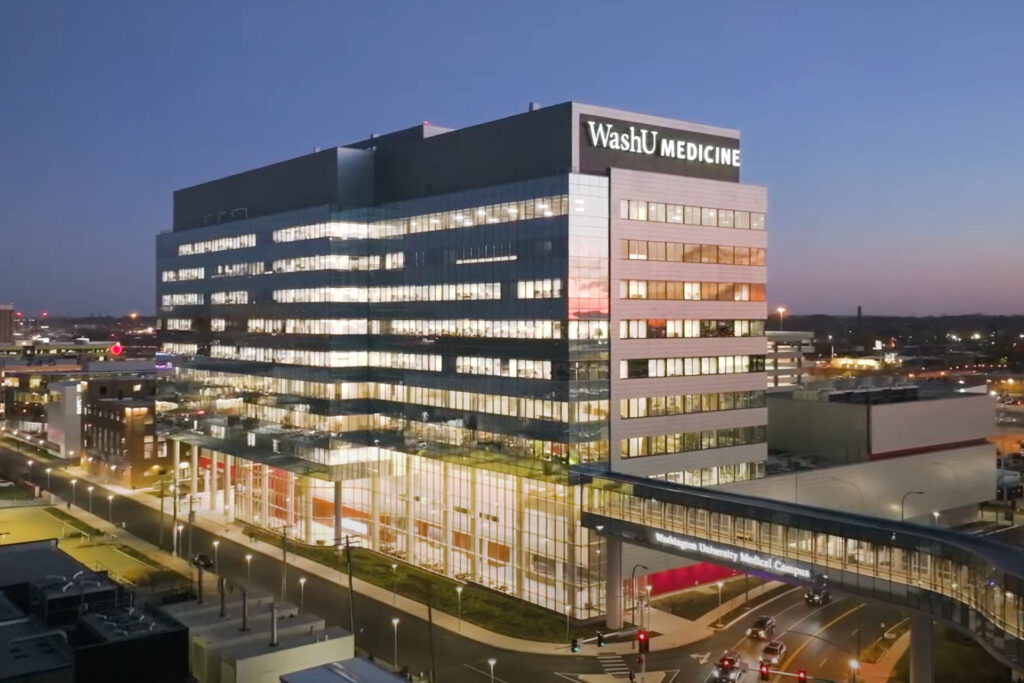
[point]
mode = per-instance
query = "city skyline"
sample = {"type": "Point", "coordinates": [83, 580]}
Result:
{"type": "Point", "coordinates": [121, 104]}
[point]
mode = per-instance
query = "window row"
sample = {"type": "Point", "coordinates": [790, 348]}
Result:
{"type": "Point", "coordinates": [239, 269]}
{"type": "Point", "coordinates": [178, 349]}
{"type": "Point", "coordinates": [684, 404]}
{"type": "Point", "coordinates": [346, 262]}
{"type": "Point", "coordinates": [505, 212]}
{"type": "Point", "coordinates": [495, 329]}
{"type": "Point", "coordinates": [461, 291]}
{"type": "Point", "coordinates": [340, 326]}
{"type": "Point", "coordinates": [183, 274]}
{"type": "Point", "coordinates": [683, 442]}
{"type": "Point", "coordinates": [686, 367]}
{"type": "Point", "coordinates": [691, 291]}
{"type": "Point", "coordinates": [504, 367]}
{"type": "Point", "coordinates": [713, 476]}
{"type": "Point", "coordinates": [329, 359]}
{"type": "Point", "coordinates": [494, 404]}
{"type": "Point", "coordinates": [647, 250]}
{"type": "Point", "coordinates": [539, 289]}
{"type": "Point", "coordinates": [658, 328]}
{"type": "Point", "coordinates": [336, 229]}
{"type": "Point", "coordinates": [221, 244]}
{"type": "Point", "coordinates": [658, 212]}
{"type": "Point", "coordinates": [237, 297]}
{"type": "Point", "coordinates": [179, 324]}
{"type": "Point", "coordinates": [186, 299]}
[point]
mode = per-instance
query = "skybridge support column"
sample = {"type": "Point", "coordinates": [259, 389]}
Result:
{"type": "Point", "coordinates": [613, 584]}
{"type": "Point", "coordinates": [922, 654]}
{"type": "Point", "coordinates": [193, 470]}
{"type": "Point", "coordinates": [338, 529]}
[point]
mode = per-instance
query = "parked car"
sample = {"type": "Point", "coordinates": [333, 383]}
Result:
{"type": "Point", "coordinates": [763, 628]}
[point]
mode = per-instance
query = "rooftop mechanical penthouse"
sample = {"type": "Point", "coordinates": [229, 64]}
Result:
{"type": "Point", "coordinates": [409, 339]}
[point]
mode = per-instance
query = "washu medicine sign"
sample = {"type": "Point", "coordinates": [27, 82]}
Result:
{"type": "Point", "coordinates": [650, 141]}
{"type": "Point", "coordinates": [610, 144]}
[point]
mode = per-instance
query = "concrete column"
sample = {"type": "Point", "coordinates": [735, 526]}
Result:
{"type": "Point", "coordinates": [474, 526]}
{"type": "Point", "coordinates": [446, 518]}
{"type": "Point", "coordinates": [211, 496]}
{"type": "Point", "coordinates": [339, 530]}
{"type": "Point", "coordinates": [249, 499]}
{"type": "Point", "coordinates": [613, 583]}
{"type": "Point", "coordinates": [208, 486]}
{"type": "Point", "coordinates": [229, 490]}
{"type": "Point", "coordinates": [375, 505]}
{"type": "Point", "coordinates": [265, 498]}
{"type": "Point", "coordinates": [194, 471]}
{"type": "Point", "coordinates": [922, 655]}
{"type": "Point", "coordinates": [307, 513]}
{"type": "Point", "coordinates": [175, 462]}
{"type": "Point", "coordinates": [289, 507]}
{"type": "Point", "coordinates": [410, 511]}
{"type": "Point", "coordinates": [519, 553]}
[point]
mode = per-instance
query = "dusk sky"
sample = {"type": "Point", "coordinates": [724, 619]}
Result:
{"type": "Point", "coordinates": [888, 133]}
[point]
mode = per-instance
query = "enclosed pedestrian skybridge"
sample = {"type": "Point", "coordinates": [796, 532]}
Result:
{"type": "Point", "coordinates": [972, 583]}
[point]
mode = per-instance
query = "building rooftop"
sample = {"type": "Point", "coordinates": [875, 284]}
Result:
{"type": "Point", "coordinates": [348, 671]}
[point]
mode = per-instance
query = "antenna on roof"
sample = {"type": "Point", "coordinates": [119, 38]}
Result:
{"type": "Point", "coordinates": [534, 106]}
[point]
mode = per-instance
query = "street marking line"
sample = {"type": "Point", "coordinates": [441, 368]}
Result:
{"type": "Point", "coordinates": [484, 673]}
{"type": "Point", "coordinates": [794, 605]}
{"type": "Point", "coordinates": [807, 641]}
{"type": "Point", "coordinates": [822, 664]}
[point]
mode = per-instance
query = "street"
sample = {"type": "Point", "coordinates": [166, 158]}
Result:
{"type": "Point", "coordinates": [821, 641]}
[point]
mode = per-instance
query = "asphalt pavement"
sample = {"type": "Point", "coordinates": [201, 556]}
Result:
{"type": "Point", "coordinates": [820, 640]}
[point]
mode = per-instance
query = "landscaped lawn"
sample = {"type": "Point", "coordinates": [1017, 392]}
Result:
{"type": "Point", "coordinates": [694, 603]}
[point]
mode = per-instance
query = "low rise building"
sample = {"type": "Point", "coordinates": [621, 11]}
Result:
{"type": "Point", "coordinates": [787, 363]}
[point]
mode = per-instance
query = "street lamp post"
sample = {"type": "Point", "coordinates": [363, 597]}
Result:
{"type": "Point", "coordinates": [48, 470]}
{"type": "Point", "coordinates": [302, 594]}
{"type": "Point", "coordinates": [90, 498]}
{"type": "Point", "coordinates": [74, 497]}
{"type": "Point", "coordinates": [458, 591]}
{"type": "Point", "coordinates": [904, 499]}
{"type": "Point", "coordinates": [935, 518]}
{"type": "Point", "coordinates": [854, 668]}
{"type": "Point", "coordinates": [491, 662]}
{"type": "Point", "coordinates": [394, 585]}
{"type": "Point", "coordinates": [216, 555]}
{"type": "Point", "coordinates": [394, 622]}
{"type": "Point", "coordinates": [248, 568]}
{"type": "Point", "coordinates": [110, 508]}
{"type": "Point", "coordinates": [781, 310]}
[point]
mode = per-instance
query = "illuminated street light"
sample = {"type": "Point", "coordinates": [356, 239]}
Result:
{"type": "Point", "coordinates": [248, 568]}
{"type": "Point", "coordinates": [781, 310]}
{"type": "Point", "coordinates": [491, 662]}
{"type": "Point", "coordinates": [302, 593]}
{"type": "Point", "coordinates": [394, 622]}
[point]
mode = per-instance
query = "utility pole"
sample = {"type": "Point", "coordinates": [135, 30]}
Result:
{"type": "Point", "coordinates": [430, 631]}
{"type": "Point", "coordinates": [284, 560]}
{"type": "Point", "coordinates": [191, 523]}
{"type": "Point", "coordinates": [160, 544]}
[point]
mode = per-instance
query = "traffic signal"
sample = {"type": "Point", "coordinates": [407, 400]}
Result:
{"type": "Point", "coordinates": [643, 641]}
{"type": "Point", "coordinates": [600, 639]}
{"type": "Point", "coordinates": [801, 676]}
{"type": "Point", "coordinates": [765, 672]}
{"type": "Point", "coordinates": [575, 647]}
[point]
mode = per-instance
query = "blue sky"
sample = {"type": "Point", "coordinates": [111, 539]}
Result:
{"type": "Point", "coordinates": [888, 134]}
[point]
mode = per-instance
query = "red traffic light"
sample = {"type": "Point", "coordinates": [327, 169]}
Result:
{"type": "Point", "coordinates": [801, 676]}
{"type": "Point", "coordinates": [641, 635]}
{"type": "Point", "coordinates": [765, 671]}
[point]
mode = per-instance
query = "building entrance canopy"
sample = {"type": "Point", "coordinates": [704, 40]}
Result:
{"type": "Point", "coordinates": [972, 583]}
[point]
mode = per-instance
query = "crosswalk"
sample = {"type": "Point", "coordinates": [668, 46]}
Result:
{"type": "Point", "coordinates": [614, 665]}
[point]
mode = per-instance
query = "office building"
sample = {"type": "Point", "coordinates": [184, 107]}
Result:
{"type": "Point", "coordinates": [6, 324]}
{"type": "Point", "coordinates": [409, 340]}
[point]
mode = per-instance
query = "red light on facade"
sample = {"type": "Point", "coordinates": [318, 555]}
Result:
{"type": "Point", "coordinates": [18, 314]}
{"type": "Point", "coordinates": [116, 349]}
{"type": "Point", "coordinates": [46, 314]}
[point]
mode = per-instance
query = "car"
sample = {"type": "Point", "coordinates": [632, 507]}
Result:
{"type": "Point", "coordinates": [817, 596]}
{"type": "Point", "coordinates": [729, 669]}
{"type": "Point", "coordinates": [4, 483]}
{"type": "Point", "coordinates": [763, 628]}
{"type": "Point", "coordinates": [773, 653]}
{"type": "Point", "coordinates": [202, 561]}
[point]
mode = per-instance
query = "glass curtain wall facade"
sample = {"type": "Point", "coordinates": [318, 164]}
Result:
{"type": "Point", "coordinates": [302, 379]}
